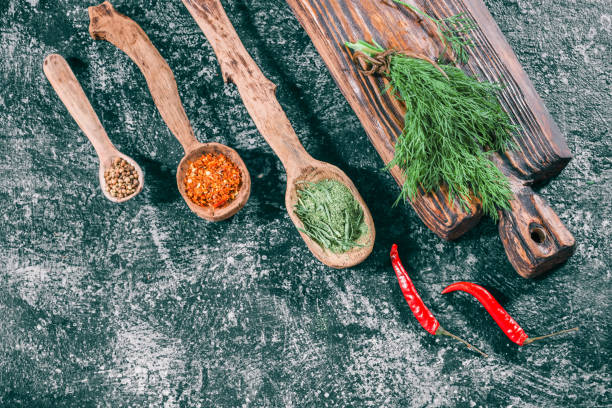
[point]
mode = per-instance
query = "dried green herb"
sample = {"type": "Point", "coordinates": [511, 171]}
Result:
{"type": "Point", "coordinates": [450, 118]}
{"type": "Point", "coordinates": [331, 215]}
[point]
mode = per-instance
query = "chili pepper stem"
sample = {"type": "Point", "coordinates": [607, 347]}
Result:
{"type": "Point", "coordinates": [531, 340]}
{"type": "Point", "coordinates": [443, 332]}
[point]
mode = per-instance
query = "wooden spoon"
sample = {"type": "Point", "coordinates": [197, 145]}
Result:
{"type": "Point", "coordinates": [72, 95]}
{"type": "Point", "coordinates": [258, 94]}
{"type": "Point", "coordinates": [107, 24]}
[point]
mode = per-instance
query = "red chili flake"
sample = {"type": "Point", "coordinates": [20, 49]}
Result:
{"type": "Point", "coordinates": [212, 180]}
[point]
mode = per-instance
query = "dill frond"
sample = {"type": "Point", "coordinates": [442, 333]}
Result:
{"type": "Point", "coordinates": [452, 31]}
{"type": "Point", "coordinates": [449, 121]}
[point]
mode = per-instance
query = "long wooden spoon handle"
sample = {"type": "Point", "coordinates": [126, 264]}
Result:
{"type": "Point", "coordinates": [69, 90]}
{"type": "Point", "coordinates": [534, 237]}
{"type": "Point", "coordinates": [121, 31]}
{"type": "Point", "coordinates": [257, 92]}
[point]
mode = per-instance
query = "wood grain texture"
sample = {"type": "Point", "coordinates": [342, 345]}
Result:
{"type": "Point", "coordinates": [259, 96]}
{"type": "Point", "coordinates": [124, 33]}
{"type": "Point", "coordinates": [541, 150]}
{"type": "Point", "coordinates": [71, 93]}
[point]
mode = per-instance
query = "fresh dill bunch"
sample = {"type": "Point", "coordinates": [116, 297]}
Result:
{"type": "Point", "coordinates": [449, 120]}
{"type": "Point", "coordinates": [330, 214]}
{"type": "Point", "coordinates": [452, 31]}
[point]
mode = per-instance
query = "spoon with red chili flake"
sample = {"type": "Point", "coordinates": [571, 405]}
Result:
{"type": "Point", "coordinates": [420, 311]}
{"type": "Point", "coordinates": [503, 319]}
{"type": "Point", "coordinates": [124, 33]}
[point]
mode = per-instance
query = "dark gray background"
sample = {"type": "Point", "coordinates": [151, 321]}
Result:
{"type": "Point", "coordinates": [144, 304]}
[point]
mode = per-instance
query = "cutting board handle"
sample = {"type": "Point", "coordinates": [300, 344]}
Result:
{"type": "Point", "coordinates": [121, 31]}
{"type": "Point", "coordinates": [533, 236]}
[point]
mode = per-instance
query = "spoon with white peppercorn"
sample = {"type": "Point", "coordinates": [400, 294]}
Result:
{"type": "Point", "coordinates": [120, 176]}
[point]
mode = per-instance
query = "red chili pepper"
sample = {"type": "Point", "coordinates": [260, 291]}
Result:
{"type": "Point", "coordinates": [503, 319]}
{"type": "Point", "coordinates": [420, 311]}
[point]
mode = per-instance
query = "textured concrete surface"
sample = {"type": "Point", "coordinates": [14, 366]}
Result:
{"type": "Point", "coordinates": [143, 304]}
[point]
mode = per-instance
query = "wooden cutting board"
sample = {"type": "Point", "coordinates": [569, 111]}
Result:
{"type": "Point", "coordinates": [534, 238]}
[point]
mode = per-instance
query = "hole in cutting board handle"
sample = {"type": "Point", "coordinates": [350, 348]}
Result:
{"type": "Point", "coordinates": [538, 234]}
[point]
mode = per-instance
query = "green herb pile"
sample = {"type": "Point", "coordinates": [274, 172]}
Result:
{"type": "Point", "coordinates": [450, 118]}
{"type": "Point", "coordinates": [331, 215]}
